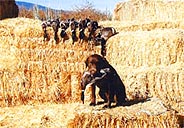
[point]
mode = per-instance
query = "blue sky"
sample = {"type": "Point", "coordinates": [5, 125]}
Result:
{"type": "Point", "coordinates": [102, 5]}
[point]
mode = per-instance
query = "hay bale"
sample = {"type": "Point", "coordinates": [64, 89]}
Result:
{"type": "Point", "coordinates": [157, 47]}
{"type": "Point", "coordinates": [147, 114]}
{"type": "Point", "coordinates": [149, 10]}
{"type": "Point", "coordinates": [42, 115]}
{"type": "Point", "coordinates": [75, 86]}
{"type": "Point", "coordinates": [144, 25]}
{"type": "Point", "coordinates": [159, 81]}
{"type": "Point", "coordinates": [21, 27]}
{"type": "Point", "coordinates": [150, 113]}
{"type": "Point", "coordinates": [8, 56]}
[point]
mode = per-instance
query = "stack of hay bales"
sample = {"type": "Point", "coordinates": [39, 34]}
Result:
{"type": "Point", "coordinates": [148, 56]}
{"type": "Point", "coordinates": [34, 71]}
{"type": "Point", "coordinates": [151, 64]}
{"type": "Point", "coordinates": [148, 53]}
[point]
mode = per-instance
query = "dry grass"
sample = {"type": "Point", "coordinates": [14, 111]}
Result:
{"type": "Point", "coordinates": [150, 63]}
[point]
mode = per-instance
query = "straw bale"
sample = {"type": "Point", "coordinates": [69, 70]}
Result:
{"type": "Point", "coordinates": [144, 10]}
{"type": "Point", "coordinates": [144, 114]}
{"type": "Point", "coordinates": [8, 57]}
{"type": "Point", "coordinates": [157, 47]}
{"type": "Point", "coordinates": [45, 115]}
{"type": "Point", "coordinates": [144, 25]}
{"type": "Point", "coordinates": [17, 27]}
{"type": "Point", "coordinates": [159, 81]}
{"type": "Point", "coordinates": [75, 86]}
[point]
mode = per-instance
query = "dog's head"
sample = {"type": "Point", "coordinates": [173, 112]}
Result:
{"type": "Point", "coordinates": [94, 63]}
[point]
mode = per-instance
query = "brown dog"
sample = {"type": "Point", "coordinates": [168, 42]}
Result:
{"type": "Point", "coordinates": [100, 73]}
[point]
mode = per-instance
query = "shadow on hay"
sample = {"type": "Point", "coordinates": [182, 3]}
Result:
{"type": "Point", "coordinates": [135, 101]}
{"type": "Point", "coordinates": [128, 102]}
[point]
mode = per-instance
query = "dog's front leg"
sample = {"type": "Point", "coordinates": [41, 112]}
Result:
{"type": "Point", "coordinates": [93, 99]}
